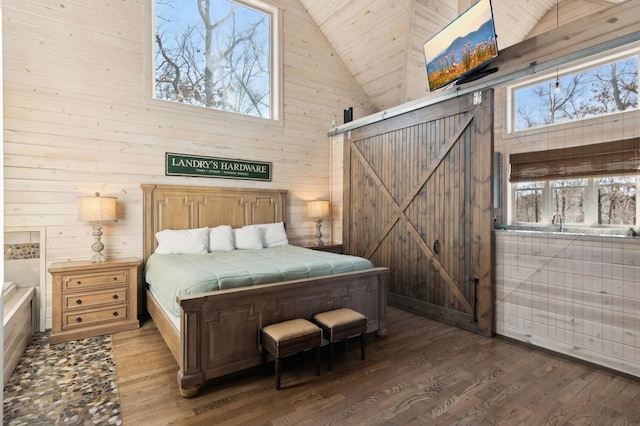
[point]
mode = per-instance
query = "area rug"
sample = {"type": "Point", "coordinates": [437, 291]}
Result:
{"type": "Point", "coordinates": [72, 383]}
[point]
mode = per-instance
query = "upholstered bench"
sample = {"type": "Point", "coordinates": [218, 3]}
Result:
{"type": "Point", "coordinates": [289, 338]}
{"type": "Point", "coordinates": [340, 324]}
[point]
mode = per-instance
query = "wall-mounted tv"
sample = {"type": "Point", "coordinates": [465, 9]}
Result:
{"type": "Point", "coordinates": [463, 48]}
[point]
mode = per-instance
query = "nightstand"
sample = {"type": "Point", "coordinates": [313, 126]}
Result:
{"type": "Point", "coordinates": [333, 248]}
{"type": "Point", "coordinates": [90, 299]}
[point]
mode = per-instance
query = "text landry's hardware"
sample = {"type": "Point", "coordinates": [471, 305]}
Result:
{"type": "Point", "coordinates": [188, 165]}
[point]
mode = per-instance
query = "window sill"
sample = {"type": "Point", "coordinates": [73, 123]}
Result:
{"type": "Point", "coordinates": [621, 232]}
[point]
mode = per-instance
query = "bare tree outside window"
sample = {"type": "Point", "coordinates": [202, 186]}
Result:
{"type": "Point", "coordinates": [608, 88]}
{"type": "Point", "coordinates": [215, 54]}
{"type": "Point", "coordinates": [617, 200]}
{"type": "Point", "coordinates": [568, 200]}
{"type": "Point", "coordinates": [528, 198]}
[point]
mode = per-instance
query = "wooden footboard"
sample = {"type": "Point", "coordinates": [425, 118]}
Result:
{"type": "Point", "coordinates": [220, 330]}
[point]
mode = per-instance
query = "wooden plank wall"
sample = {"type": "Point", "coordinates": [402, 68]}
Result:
{"type": "Point", "coordinates": [577, 295]}
{"type": "Point", "coordinates": [78, 119]}
{"type": "Point", "coordinates": [348, 26]}
{"type": "Point", "coordinates": [567, 11]}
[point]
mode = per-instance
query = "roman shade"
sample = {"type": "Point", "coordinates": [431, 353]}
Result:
{"type": "Point", "coordinates": [602, 159]}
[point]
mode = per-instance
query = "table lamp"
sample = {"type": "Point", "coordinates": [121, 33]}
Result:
{"type": "Point", "coordinates": [97, 210]}
{"type": "Point", "coordinates": [318, 210]}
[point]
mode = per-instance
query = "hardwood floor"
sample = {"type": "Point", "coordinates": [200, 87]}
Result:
{"type": "Point", "coordinates": [423, 372]}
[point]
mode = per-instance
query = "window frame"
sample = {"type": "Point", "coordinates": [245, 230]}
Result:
{"type": "Point", "coordinates": [587, 185]}
{"type": "Point", "coordinates": [555, 74]}
{"type": "Point", "coordinates": [637, 213]}
{"type": "Point", "coordinates": [590, 206]}
{"type": "Point", "coordinates": [276, 60]}
{"type": "Point", "coordinates": [514, 198]}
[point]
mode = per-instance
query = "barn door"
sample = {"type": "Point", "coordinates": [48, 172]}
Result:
{"type": "Point", "coordinates": [418, 199]}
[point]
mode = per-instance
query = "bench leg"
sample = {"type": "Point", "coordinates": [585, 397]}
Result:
{"type": "Point", "coordinates": [331, 356]}
{"type": "Point", "coordinates": [317, 351]}
{"type": "Point", "coordinates": [278, 372]}
{"type": "Point", "coordinates": [265, 370]}
{"type": "Point", "coordinates": [362, 352]}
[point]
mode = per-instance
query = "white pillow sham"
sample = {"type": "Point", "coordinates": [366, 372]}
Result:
{"type": "Point", "coordinates": [183, 241]}
{"type": "Point", "coordinates": [274, 234]}
{"type": "Point", "coordinates": [221, 238]}
{"type": "Point", "coordinates": [248, 238]}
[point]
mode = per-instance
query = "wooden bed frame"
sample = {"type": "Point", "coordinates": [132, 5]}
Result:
{"type": "Point", "coordinates": [219, 330]}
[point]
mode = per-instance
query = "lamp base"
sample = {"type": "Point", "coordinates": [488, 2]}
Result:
{"type": "Point", "coordinates": [97, 245]}
{"type": "Point", "coordinates": [318, 234]}
{"type": "Point", "coordinates": [98, 258]}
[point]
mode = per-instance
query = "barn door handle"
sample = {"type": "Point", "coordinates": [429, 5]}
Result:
{"type": "Point", "coordinates": [436, 246]}
{"type": "Point", "coordinates": [475, 281]}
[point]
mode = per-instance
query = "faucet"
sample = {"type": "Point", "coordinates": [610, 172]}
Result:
{"type": "Point", "coordinates": [553, 220]}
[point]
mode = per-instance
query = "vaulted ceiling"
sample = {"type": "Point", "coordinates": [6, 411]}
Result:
{"type": "Point", "coordinates": [380, 41]}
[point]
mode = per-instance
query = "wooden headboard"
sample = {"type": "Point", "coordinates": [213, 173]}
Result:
{"type": "Point", "coordinates": [187, 207]}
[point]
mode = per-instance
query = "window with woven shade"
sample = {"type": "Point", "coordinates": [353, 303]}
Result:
{"type": "Point", "coordinates": [587, 186]}
{"type": "Point", "coordinates": [603, 159]}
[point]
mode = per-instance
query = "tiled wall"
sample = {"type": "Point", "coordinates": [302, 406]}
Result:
{"type": "Point", "coordinates": [22, 257]}
{"type": "Point", "coordinates": [21, 251]}
{"type": "Point", "coordinates": [577, 295]}
{"type": "Point", "coordinates": [24, 265]}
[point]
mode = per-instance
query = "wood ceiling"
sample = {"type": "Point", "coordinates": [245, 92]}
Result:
{"type": "Point", "coordinates": [380, 41]}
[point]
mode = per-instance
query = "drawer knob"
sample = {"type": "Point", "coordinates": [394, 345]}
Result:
{"type": "Point", "coordinates": [115, 278]}
{"type": "Point", "coordinates": [79, 302]}
{"type": "Point", "coordinates": [115, 296]}
{"type": "Point", "coordinates": [78, 282]}
{"type": "Point", "coordinates": [79, 319]}
{"type": "Point", "coordinates": [115, 313]}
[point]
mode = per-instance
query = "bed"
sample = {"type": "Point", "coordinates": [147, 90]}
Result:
{"type": "Point", "coordinates": [216, 332]}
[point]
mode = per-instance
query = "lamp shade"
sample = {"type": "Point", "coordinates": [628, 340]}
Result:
{"type": "Point", "coordinates": [318, 208]}
{"type": "Point", "coordinates": [96, 209]}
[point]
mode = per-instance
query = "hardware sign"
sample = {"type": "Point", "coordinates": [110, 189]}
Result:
{"type": "Point", "coordinates": [189, 165]}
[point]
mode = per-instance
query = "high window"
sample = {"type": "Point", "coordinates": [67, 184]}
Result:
{"type": "Point", "coordinates": [217, 54]}
{"type": "Point", "coordinates": [604, 88]}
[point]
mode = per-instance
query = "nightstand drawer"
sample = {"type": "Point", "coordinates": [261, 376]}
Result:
{"type": "Point", "coordinates": [79, 281]}
{"type": "Point", "coordinates": [84, 300]}
{"type": "Point", "coordinates": [90, 298]}
{"type": "Point", "coordinates": [101, 315]}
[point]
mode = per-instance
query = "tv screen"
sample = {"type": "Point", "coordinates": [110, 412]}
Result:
{"type": "Point", "coordinates": [464, 46]}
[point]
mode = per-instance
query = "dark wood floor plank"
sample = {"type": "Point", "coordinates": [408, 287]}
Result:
{"type": "Point", "coordinates": [423, 372]}
{"type": "Point", "coordinates": [439, 373]}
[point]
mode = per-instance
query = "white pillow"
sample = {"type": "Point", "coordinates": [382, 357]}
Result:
{"type": "Point", "coordinates": [183, 241]}
{"type": "Point", "coordinates": [247, 238]}
{"type": "Point", "coordinates": [221, 238]}
{"type": "Point", "coordinates": [274, 234]}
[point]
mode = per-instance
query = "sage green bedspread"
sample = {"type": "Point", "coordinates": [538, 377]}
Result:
{"type": "Point", "coordinates": [172, 275]}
